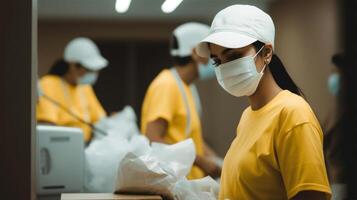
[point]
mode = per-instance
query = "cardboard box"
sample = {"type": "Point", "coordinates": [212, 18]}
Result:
{"type": "Point", "coordinates": [107, 196]}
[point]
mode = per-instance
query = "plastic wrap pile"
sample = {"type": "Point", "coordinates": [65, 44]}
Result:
{"type": "Point", "coordinates": [125, 162]}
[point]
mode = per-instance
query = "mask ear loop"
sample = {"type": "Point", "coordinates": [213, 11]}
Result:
{"type": "Point", "coordinates": [262, 71]}
{"type": "Point", "coordinates": [259, 51]}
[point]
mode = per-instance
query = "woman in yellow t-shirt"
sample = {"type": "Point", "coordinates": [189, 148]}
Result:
{"type": "Point", "coordinates": [67, 87]}
{"type": "Point", "coordinates": [169, 111]}
{"type": "Point", "coordinates": [277, 153]}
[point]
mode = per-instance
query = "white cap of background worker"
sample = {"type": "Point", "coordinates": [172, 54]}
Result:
{"type": "Point", "coordinates": [84, 51]}
{"type": "Point", "coordinates": [187, 36]}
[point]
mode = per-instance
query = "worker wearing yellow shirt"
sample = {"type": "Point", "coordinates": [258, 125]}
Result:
{"type": "Point", "coordinates": [169, 112]}
{"type": "Point", "coordinates": [69, 83]}
{"type": "Point", "coordinates": [277, 153]}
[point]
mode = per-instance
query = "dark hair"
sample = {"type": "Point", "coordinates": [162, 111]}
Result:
{"type": "Point", "coordinates": [178, 60]}
{"type": "Point", "coordinates": [59, 68]}
{"type": "Point", "coordinates": [339, 60]}
{"type": "Point", "coordinates": [281, 76]}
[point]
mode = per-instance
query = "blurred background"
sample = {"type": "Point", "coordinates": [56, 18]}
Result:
{"type": "Point", "coordinates": [136, 44]}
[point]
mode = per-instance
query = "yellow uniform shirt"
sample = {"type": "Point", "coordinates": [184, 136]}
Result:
{"type": "Point", "coordinates": [276, 154]}
{"type": "Point", "coordinates": [164, 100]}
{"type": "Point", "coordinates": [79, 99]}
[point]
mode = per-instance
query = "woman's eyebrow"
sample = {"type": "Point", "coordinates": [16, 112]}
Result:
{"type": "Point", "coordinates": [224, 51]}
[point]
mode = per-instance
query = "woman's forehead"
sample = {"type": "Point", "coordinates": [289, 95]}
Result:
{"type": "Point", "coordinates": [217, 50]}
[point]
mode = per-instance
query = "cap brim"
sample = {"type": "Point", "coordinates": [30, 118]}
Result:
{"type": "Point", "coordinates": [224, 39]}
{"type": "Point", "coordinates": [95, 63]}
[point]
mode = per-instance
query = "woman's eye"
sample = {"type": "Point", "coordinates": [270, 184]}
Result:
{"type": "Point", "coordinates": [233, 57]}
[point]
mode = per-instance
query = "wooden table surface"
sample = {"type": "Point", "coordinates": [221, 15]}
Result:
{"type": "Point", "coordinates": [107, 196]}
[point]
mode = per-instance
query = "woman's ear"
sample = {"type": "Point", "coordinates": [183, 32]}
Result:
{"type": "Point", "coordinates": [197, 59]}
{"type": "Point", "coordinates": [78, 69]}
{"type": "Point", "coordinates": [268, 53]}
{"type": "Point", "coordinates": [194, 56]}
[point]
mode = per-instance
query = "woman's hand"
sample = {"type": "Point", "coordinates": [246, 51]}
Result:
{"type": "Point", "coordinates": [208, 166]}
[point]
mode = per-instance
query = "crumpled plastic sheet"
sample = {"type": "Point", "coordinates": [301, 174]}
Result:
{"type": "Point", "coordinates": [157, 171]}
{"type": "Point", "coordinates": [205, 188]}
{"type": "Point", "coordinates": [125, 162]}
{"type": "Point", "coordinates": [163, 171]}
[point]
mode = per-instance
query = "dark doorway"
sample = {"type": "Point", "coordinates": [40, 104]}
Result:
{"type": "Point", "coordinates": [132, 66]}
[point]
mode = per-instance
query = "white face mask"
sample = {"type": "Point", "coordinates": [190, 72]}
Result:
{"type": "Point", "coordinates": [88, 79]}
{"type": "Point", "coordinates": [206, 71]}
{"type": "Point", "coordinates": [240, 77]}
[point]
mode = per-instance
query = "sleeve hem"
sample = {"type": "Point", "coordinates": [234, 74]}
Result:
{"type": "Point", "coordinates": [45, 119]}
{"type": "Point", "coordinates": [311, 187]}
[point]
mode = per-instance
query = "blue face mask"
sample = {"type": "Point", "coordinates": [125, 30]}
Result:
{"type": "Point", "coordinates": [206, 71]}
{"type": "Point", "coordinates": [88, 79]}
{"type": "Point", "coordinates": [334, 83]}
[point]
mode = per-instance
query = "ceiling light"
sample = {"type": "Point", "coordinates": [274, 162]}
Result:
{"type": "Point", "coordinates": [170, 5]}
{"type": "Point", "coordinates": [121, 6]}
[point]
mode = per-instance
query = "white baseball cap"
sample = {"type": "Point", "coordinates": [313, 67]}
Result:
{"type": "Point", "coordinates": [84, 51]}
{"type": "Point", "coordinates": [238, 26]}
{"type": "Point", "coordinates": [188, 35]}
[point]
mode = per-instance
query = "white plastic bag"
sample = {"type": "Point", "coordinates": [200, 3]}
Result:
{"type": "Point", "coordinates": [156, 172]}
{"type": "Point", "coordinates": [121, 124]}
{"type": "Point", "coordinates": [144, 177]}
{"type": "Point", "coordinates": [102, 159]}
{"type": "Point", "coordinates": [205, 188]}
{"type": "Point", "coordinates": [179, 157]}
{"type": "Point", "coordinates": [104, 153]}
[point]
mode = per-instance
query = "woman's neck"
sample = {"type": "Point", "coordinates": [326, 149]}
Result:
{"type": "Point", "coordinates": [187, 73]}
{"type": "Point", "coordinates": [70, 79]}
{"type": "Point", "coordinates": [266, 91]}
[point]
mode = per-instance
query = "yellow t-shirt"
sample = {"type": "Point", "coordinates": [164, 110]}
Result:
{"type": "Point", "coordinates": [276, 154]}
{"type": "Point", "coordinates": [79, 99]}
{"type": "Point", "coordinates": [164, 100]}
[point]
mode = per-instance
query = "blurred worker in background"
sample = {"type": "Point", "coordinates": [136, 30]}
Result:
{"type": "Point", "coordinates": [332, 142]}
{"type": "Point", "coordinates": [169, 111]}
{"type": "Point", "coordinates": [68, 85]}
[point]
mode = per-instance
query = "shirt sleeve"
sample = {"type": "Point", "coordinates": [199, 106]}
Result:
{"type": "Point", "coordinates": [97, 112]}
{"type": "Point", "coordinates": [47, 111]}
{"type": "Point", "coordinates": [162, 102]}
{"type": "Point", "coordinates": [301, 160]}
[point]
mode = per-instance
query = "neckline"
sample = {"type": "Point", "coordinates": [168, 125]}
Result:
{"type": "Point", "coordinates": [180, 79]}
{"type": "Point", "coordinates": [269, 104]}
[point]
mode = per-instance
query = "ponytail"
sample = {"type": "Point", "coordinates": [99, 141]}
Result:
{"type": "Point", "coordinates": [280, 75]}
{"type": "Point", "coordinates": [59, 68]}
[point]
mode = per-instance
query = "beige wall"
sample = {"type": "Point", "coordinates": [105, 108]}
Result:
{"type": "Point", "coordinates": [306, 37]}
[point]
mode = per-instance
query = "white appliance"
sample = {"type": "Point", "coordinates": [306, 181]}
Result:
{"type": "Point", "coordinates": [59, 160]}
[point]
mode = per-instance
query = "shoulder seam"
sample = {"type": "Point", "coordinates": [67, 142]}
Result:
{"type": "Point", "coordinates": [300, 124]}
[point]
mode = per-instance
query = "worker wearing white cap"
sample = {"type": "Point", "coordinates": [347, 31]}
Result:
{"type": "Point", "coordinates": [69, 82]}
{"type": "Point", "coordinates": [169, 112]}
{"type": "Point", "coordinates": [277, 153]}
